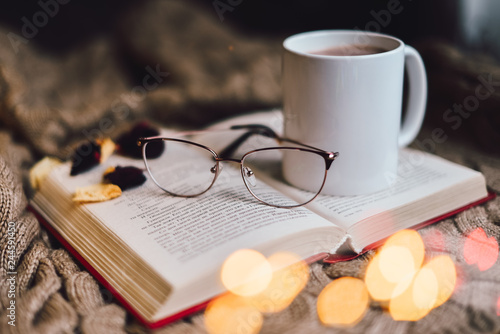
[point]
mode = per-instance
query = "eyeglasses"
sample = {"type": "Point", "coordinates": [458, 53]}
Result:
{"type": "Point", "coordinates": [188, 169]}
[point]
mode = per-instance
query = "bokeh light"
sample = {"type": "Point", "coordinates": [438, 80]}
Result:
{"type": "Point", "coordinates": [444, 271]}
{"type": "Point", "coordinates": [412, 241]}
{"type": "Point", "coordinates": [404, 307]}
{"type": "Point", "coordinates": [343, 302]}
{"type": "Point", "coordinates": [256, 285]}
{"type": "Point", "coordinates": [397, 277]}
{"type": "Point", "coordinates": [433, 285]}
{"type": "Point", "coordinates": [290, 276]}
{"type": "Point", "coordinates": [392, 269]}
{"type": "Point", "coordinates": [480, 250]}
{"type": "Point", "coordinates": [246, 272]}
{"type": "Point", "coordinates": [498, 306]}
{"type": "Point", "coordinates": [425, 289]}
{"type": "Point", "coordinates": [231, 313]}
{"type": "Point", "coordinates": [379, 288]}
{"type": "Point", "coordinates": [396, 263]}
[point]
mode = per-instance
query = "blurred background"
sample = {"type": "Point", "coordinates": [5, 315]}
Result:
{"type": "Point", "coordinates": [469, 23]}
{"type": "Point", "coordinates": [222, 56]}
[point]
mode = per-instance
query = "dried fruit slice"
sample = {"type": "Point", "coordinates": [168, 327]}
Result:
{"type": "Point", "coordinates": [97, 193]}
{"type": "Point", "coordinates": [41, 170]}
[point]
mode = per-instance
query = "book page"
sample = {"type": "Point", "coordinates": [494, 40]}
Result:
{"type": "Point", "coordinates": [411, 180]}
{"type": "Point", "coordinates": [419, 175]}
{"type": "Point", "coordinates": [424, 187]}
{"type": "Point", "coordinates": [176, 234]}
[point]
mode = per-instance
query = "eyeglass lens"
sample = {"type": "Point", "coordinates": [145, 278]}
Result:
{"type": "Point", "coordinates": [182, 169]}
{"type": "Point", "coordinates": [185, 169]}
{"type": "Point", "coordinates": [262, 167]}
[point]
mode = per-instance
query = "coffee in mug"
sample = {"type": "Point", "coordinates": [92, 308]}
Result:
{"type": "Point", "coordinates": [349, 50]}
{"type": "Point", "coordinates": [342, 92]}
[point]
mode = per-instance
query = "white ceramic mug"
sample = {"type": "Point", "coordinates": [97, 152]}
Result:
{"type": "Point", "coordinates": [353, 105]}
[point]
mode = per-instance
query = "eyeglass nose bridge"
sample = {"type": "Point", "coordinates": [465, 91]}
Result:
{"type": "Point", "coordinates": [217, 169]}
{"type": "Point", "coordinates": [246, 172]}
{"type": "Point", "coordinates": [238, 161]}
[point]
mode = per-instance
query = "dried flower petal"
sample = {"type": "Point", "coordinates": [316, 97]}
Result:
{"type": "Point", "coordinates": [97, 193]}
{"type": "Point", "coordinates": [90, 154]}
{"type": "Point", "coordinates": [108, 170]}
{"type": "Point", "coordinates": [125, 177]}
{"type": "Point", "coordinates": [85, 157]}
{"type": "Point", "coordinates": [41, 170]}
{"type": "Point", "coordinates": [127, 143]}
{"type": "Point", "coordinates": [107, 148]}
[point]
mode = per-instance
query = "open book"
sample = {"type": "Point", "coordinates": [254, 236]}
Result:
{"type": "Point", "coordinates": [161, 255]}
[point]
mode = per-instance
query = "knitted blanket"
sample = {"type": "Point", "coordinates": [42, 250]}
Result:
{"type": "Point", "coordinates": [188, 77]}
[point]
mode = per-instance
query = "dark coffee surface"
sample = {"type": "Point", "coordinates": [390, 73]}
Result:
{"type": "Point", "coordinates": [349, 50]}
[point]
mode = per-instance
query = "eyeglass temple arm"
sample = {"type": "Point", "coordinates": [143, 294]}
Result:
{"type": "Point", "coordinates": [252, 130]}
{"type": "Point", "coordinates": [268, 132]}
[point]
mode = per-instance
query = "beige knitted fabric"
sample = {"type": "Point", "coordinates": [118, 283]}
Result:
{"type": "Point", "coordinates": [238, 73]}
{"type": "Point", "coordinates": [48, 104]}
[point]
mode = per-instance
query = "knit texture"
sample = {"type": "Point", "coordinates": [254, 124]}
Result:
{"type": "Point", "coordinates": [190, 77]}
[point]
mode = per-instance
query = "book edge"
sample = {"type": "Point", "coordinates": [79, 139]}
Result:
{"type": "Point", "coordinates": [334, 258]}
{"type": "Point", "coordinates": [324, 257]}
{"type": "Point", "coordinates": [149, 324]}
{"type": "Point", "coordinates": [87, 265]}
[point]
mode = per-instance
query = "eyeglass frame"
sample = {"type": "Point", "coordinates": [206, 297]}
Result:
{"type": "Point", "coordinates": [259, 129]}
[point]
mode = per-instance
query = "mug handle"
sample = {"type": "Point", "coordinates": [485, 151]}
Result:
{"type": "Point", "coordinates": [417, 97]}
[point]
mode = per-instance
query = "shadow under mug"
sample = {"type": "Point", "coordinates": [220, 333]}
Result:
{"type": "Point", "coordinates": [352, 104]}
